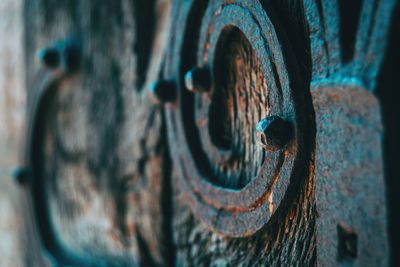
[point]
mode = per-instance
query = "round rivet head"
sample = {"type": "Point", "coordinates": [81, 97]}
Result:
{"type": "Point", "coordinates": [198, 80]}
{"type": "Point", "coordinates": [273, 133]}
{"type": "Point", "coordinates": [21, 175]}
{"type": "Point", "coordinates": [72, 57]}
{"type": "Point", "coordinates": [164, 91]}
{"type": "Point", "coordinates": [50, 57]}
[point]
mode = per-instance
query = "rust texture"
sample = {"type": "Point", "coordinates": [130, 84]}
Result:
{"type": "Point", "coordinates": [352, 192]}
{"type": "Point", "coordinates": [235, 185]}
{"type": "Point", "coordinates": [185, 182]}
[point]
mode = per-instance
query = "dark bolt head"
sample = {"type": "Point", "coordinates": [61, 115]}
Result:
{"type": "Point", "coordinates": [71, 56]}
{"type": "Point", "coordinates": [66, 53]}
{"type": "Point", "coordinates": [273, 133]}
{"type": "Point", "coordinates": [164, 91]}
{"type": "Point", "coordinates": [198, 80]}
{"type": "Point", "coordinates": [21, 175]}
{"type": "Point", "coordinates": [347, 238]}
{"type": "Point", "coordinates": [50, 57]}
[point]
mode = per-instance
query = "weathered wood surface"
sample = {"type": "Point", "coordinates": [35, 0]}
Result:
{"type": "Point", "coordinates": [12, 103]}
{"type": "Point", "coordinates": [102, 139]}
{"type": "Point", "coordinates": [119, 194]}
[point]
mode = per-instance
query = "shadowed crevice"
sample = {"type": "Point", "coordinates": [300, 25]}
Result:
{"type": "Point", "coordinates": [145, 20]}
{"type": "Point", "coordinates": [349, 16]}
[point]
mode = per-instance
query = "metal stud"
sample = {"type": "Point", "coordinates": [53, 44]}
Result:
{"type": "Point", "coordinates": [65, 54]}
{"type": "Point", "coordinates": [71, 56]}
{"type": "Point", "coordinates": [21, 175]}
{"type": "Point", "coordinates": [164, 91]}
{"type": "Point", "coordinates": [273, 133]}
{"type": "Point", "coordinates": [198, 80]}
{"type": "Point", "coordinates": [50, 57]}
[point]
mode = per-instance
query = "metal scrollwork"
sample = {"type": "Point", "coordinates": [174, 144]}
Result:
{"type": "Point", "coordinates": [233, 73]}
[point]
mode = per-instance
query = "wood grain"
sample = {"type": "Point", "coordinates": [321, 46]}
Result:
{"type": "Point", "coordinates": [102, 138]}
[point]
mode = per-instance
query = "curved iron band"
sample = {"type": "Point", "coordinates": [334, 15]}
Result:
{"type": "Point", "coordinates": [228, 211]}
{"type": "Point", "coordinates": [255, 203]}
{"type": "Point", "coordinates": [236, 16]}
{"type": "Point", "coordinates": [40, 96]}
